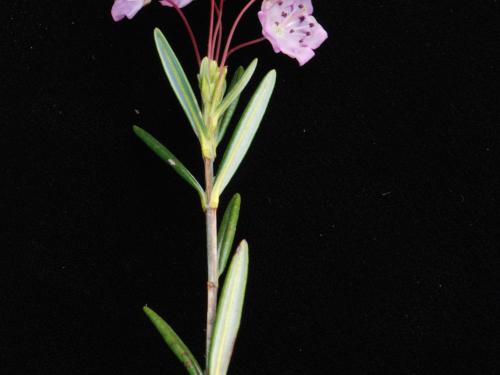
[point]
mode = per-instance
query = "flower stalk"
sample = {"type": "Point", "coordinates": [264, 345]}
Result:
{"type": "Point", "coordinates": [245, 44]}
{"type": "Point", "coordinates": [189, 30]}
{"type": "Point", "coordinates": [233, 29]}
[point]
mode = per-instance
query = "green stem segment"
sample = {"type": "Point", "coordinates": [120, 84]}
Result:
{"type": "Point", "coordinates": [212, 258]}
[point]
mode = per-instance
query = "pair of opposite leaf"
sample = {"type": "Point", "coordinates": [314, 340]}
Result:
{"type": "Point", "coordinates": [243, 134]}
{"type": "Point", "coordinates": [230, 305]}
{"type": "Point", "coordinates": [231, 302]}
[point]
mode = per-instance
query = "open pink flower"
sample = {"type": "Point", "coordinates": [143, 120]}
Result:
{"type": "Point", "coordinates": [291, 28]}
{"type": "Point", "coordinates": [127, 8]}
{"type": "Point", "coordinates": [179, 3]}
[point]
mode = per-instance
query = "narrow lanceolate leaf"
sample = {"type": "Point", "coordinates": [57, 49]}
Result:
{"type": "Point", "coordinates": [227, 231]}
{"type": "Point", "coordinates": [174, 342]}
{"type": "Point", "coordinates": [229, 312]}
{"type": "Point", "coordinates": [238, 87]}
{"type": "Point", "coordinates": [228, 114]}
{"type": "Point", "coordinates": [243, 135]}
{"type": "Point", "coordinates": [179, 82]}
{"type": "Point", "coordinates": [170, 159]}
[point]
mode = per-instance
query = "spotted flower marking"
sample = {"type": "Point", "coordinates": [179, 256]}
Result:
{"type": "Point", "coordinates": [291, 28]}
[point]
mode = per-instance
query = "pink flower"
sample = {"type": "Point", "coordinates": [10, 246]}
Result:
{"type": "Point", "coordinates": [291, 28]}
{"type": "Point", "coordinates": [127, 8]}
{"type": "Point", "coordinates": [179, 3]}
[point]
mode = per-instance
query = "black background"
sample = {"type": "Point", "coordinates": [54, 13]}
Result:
{"type": "Point", "coordinates": [369, 194]}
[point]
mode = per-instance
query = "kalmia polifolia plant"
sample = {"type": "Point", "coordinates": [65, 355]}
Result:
{"type": "Point", "coordinates": [291, 29]}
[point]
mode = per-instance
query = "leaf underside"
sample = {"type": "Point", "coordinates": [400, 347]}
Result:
{"type": "Point", "coordinates": [229, 311]}
{"type": "Point", "coordinates": [228, 114]}
{"type": "Point", "coordinates": [243, 135]}
{"type": "Point", "coordinates": [237, 88]}
{"type": "Point", "coordinates": [227, 231]}
{"type": "Point", "coordinates": [179, 82]}
{"type": "Point", "coordinates": [174, 342]}
{"type": "Point", "coordinates": [160, 150]}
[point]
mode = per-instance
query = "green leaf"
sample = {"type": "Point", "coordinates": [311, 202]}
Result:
{"type": "Point", "coordinates": [174, 342]}
{"type": "Point", "coordinates": [227, 231]}
{"type": "Point", "coordinates": [170, 159]}
{"type": "Point", "coordinates": [229, 312]}
{"type": "Point", "coordinates": [243, 135]}
{"type": "Point", "coordinates": [236, 90]}
{"type": "Point", "coordinates": [179, 83]}
{"type": "Point", "coordinates": [228, 114]}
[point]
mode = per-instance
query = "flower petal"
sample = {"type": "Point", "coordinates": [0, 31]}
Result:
{"type": "Point", "coordinates": [291, 29]}
{"type": "Point", "coordinates": [126, 8]}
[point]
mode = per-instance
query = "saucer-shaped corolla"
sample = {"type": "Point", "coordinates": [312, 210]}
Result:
{"type": "Point", "coordinates": [178, 3]}
{"type": "Point", "coordinates": [291, 28]}
{"type": "Point", "coordinates": [127, 8]}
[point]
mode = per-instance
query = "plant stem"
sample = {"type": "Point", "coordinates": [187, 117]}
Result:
{"type": "Point", "coordinates": [212, 258]}
{"type": "Point", "coordinates": [218, 32]}
{"type": "Point", "coordinates": [189, 31]}
{"type": "Point", "coordinates": [211, 30]}
{"type": "Point", "coordinates": [233, 29]}
{"type": "Point", "coordinates": [246, 44]}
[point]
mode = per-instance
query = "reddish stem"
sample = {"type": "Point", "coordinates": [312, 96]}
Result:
{"type": "Point", "coordinates": [246, 44]}
{"type": "Point", "coordinates": [218, 31]}
{"type": "Point", "coordinates": [233, 29]}
{"type": "Point", "coordinates": [189, 31]}
{"type": "Point", "coordinates": [211, 30]}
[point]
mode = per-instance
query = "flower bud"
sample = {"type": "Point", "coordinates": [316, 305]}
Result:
{"type": "Point", "coordinates": [212, 83]}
